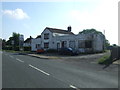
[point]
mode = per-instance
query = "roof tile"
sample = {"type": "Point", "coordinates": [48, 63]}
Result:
{"type": "Point", "coordinates": [54, 30]}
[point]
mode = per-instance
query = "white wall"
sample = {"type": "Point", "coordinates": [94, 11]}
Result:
{"type": "Point", "coordinates": [58, 34]}
{"type": "Point", "coordinates": [50, 40]}
{"type": "Point", "coordinates": [34, 42]}
{"type": "Point", "coordinates": [75, 38]}
{"type": "Point", "coordinates": [27, 44]}
{"type": "Point", "coordinates": [98, 43]}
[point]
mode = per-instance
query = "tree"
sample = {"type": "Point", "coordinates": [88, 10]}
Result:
{"type": "Point", "coordinates": [9, 42]}
{"type": "Point", "coordinates": [3, 43]}
{"type": "Point", "coordinates": [114, 45]}
{"type": "Point", "coordinates": [85, 31]}
{"type": "Point", "coordinates": [15, 39]}
{"type": "Point", "coordinates": [107, 43]}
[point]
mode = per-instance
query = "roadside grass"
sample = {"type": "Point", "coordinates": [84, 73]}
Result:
{"type": "Point", "coordinates": [105, 60]}
{"type": "Point", "coordinates": [54, 57]}
{"type": "Point", "coordinates": [107, 51]}
{"type": "Point", "coordinates": [50, 57]}
{"type": "Point", "coordinates": [12, 51]}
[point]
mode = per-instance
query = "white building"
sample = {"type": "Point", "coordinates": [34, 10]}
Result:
{"type": "Point", "coordinates": [36, 43]}
{"type": "Point", "coordinates": [27, 42]}
{"type": "Point", "coordinates": [52, 38]}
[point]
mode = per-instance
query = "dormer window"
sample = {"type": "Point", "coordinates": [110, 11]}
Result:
{"type": "Point", "coordinates": [46, 36]}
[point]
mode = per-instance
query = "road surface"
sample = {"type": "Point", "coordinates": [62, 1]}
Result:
{"type": "Point", "coordinates": [22, 71]}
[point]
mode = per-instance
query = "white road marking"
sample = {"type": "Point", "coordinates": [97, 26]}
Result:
{"type": "Point", "coordinates": [11, 56]}
{"type": "Point", "coordinates": [5, 54]}
{"type": "Point", "coordinates": [74, 87]}
{"type": "Point", "coordinates": [1, 52]}
{"type": "Point", "coordinates": [19, 60]}
{"type": "Point", "coordinates": [93, 62]}
{"type": "Point", "coordinates": [38, 69]}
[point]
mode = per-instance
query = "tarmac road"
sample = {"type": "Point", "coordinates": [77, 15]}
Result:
{"type": "Point", "coordinates": [21, 71]}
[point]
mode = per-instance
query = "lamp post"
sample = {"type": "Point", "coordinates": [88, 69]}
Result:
{"type": "Point", "coordinates": [12, 42]}
{"type": "Point", "coordinates": [21, 41]}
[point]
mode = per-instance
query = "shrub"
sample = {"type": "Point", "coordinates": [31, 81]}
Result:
{"type": "Point", "coordinates": [27, 48]}
{"type": "Point", "coordinates": [16, 48]}
{"type": "Point", "coordinates": [8, 48]}
{"type": "Point", "coordinates": [104, 60]}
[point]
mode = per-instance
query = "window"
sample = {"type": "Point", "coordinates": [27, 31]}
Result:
{"type": "Point", "coordinates": [72, 44]}
{"type": "Point", "coordinates": [81, 44]}
{"type": "Point", "coordinates": [46, 45]}
{"type": "Point", "coordinates": [37, 46]}
{"type": "Point", "coordinates": [88, 44]}
{"type": "Point", "coordinates": [46, 36]}
{"type": "Point", "coordinates": [85, 44]}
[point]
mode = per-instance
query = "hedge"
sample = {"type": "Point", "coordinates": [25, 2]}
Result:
{"type": "Point", "coordinates": [51, 51]}
{"type": "Point", "coordinates": [27, 48]}
{"type": "Point", "coordinates": [7, 48]}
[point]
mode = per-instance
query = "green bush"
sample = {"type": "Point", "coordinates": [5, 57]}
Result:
{"type": "Point", "coordinates": [7, 48]}
{"type": "Point", "coordinates": [104, 60]}
{"type": "Point", "coordinates": [51, 51]}
{"type": "Point", "coordinates": [11, 48]}
{"type": "Point", "coordinates": [27, 48]}
{"type": "Point", "coordinates": [16, 48]}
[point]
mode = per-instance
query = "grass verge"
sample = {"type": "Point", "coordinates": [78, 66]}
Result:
{"type": "Point", "coordinates": [12, 51]}
{"type": "Point", "coordinates": [104, 60]}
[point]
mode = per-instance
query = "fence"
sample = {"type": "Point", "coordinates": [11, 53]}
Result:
{"type": "Point", "coordinates": [115, 53]}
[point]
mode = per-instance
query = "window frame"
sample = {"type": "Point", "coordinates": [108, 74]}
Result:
{"type": "Point", "coordinates": [47, 43]}
{"type": "Point", "coordinates": [88, 44]}
{"type": "Point", "coordinates": [46, 35]}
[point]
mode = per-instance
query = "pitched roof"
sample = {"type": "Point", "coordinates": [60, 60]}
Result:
{"type": "Point", "coordinates": [55, 30]}
{"type": "Point", "coordinates": [28, 40]}
{"type": "Point", "coordinates": [39, 36]}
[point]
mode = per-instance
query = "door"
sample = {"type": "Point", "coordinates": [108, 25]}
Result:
{"type": "Point", "coordinates": [58, 46]}
{"type": "Point", "coordinates": [64, 44]}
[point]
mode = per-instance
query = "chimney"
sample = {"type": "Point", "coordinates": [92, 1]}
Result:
{"type": "Point", "coordinates": [69, 28]}
{"type": "Point", "coordinates": [30, 37]}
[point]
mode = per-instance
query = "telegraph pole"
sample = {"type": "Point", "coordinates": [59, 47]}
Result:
{"type": "Point", "coordinates": [104, 40]}
{"type": "Point", "coordinates": [104, 32]}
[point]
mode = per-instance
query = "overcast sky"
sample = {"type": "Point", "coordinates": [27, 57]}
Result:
{"type": "Point", "coordinates": [31, 18]}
